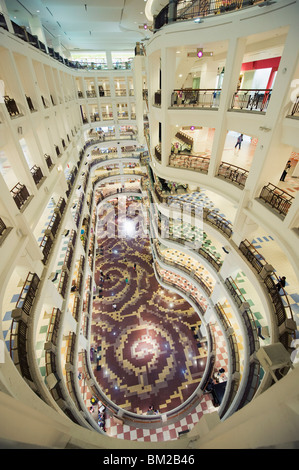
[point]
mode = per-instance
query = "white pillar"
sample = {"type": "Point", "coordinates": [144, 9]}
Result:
{"type": "Point", "coordinates": [37, 29]}
{"type": "Point", "coordinates": [57, 45]}
{"type": "Point", "coordinates": [138, 86]}
{"type": "Point", "coordinates": [233, 65]}
{"type": "Point", "coordinates": [4, 11]}
{"type": "Point", "coordinates": [168, 60]}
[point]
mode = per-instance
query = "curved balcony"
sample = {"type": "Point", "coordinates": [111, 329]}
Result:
{"type": "Point", "coordinates": [189, 162]}
{"type": "Point", "coordinates": [190, 9]}
{"type": "Point", "coordinates": [251, 99]}
{"type": "Point", "coordinates": [195, 98]}
{"type": "Point", "coordinates": [278, 199]}
{"type": "Point", "coordinates": [234, 382]}
{"type": "Point", "coordinates": [283, 323]}
{"type": "Point", "coordinates": [4, 231]}
{"type": "Point", "coordinates": [20, 326]}
{"type": "Point", "coordinates": [233, 173]}
{"type": "Point", "coordinates": [20, 195]}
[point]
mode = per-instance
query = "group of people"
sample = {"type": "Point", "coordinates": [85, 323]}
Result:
{"type": "Point", "coordinates": [151, 410]}
{"type": "Point", "coordinates": [101, 412]}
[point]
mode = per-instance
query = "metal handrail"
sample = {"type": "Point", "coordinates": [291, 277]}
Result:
{"type": "Point", "coordinates": [277, 198]}
{"type": "Point", "coordinates": [233, 173]}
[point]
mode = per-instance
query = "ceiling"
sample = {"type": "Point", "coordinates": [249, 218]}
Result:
{"type": "Point", "coordinates": [86, 25]}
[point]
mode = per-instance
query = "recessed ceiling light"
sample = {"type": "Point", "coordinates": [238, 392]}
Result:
{"type": "Point", "coordinates": [37, 11]}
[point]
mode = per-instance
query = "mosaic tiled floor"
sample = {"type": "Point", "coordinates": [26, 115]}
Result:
{"type": "Point", "coordinates": [169, 432]}
{"type": "Point", "coordinates": [145, 358]}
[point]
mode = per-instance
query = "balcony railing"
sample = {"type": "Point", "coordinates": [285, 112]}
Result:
{"type": "Point", "coordinates": [60, 206]}
{"type": "Point", "coordinates": [30, 105]}
{"type": "Point", "coordinates": [189, 162]}
{"type": "Point", "coordinates": [46, 245]}
{"type": "Point", "coordinates": [44, 102]}
{"type": "Point", "coordinates": [53, 328]}
{"type": "Point", "coordinates": [91, 94]}
{"type": "Point", "coordinates": [107, 116]}
{"type": "Point", "coordinates": [157, 98]}
{"type": "Point", "coordinates": [103, 92]}
{"type": "Point", "coordinates": [53, 225]}
{"type": "Point", "coordinates": [63, 283]}
{"type": "Point", "coordinates": [3, 22]}
{"type": "Point", "coordinates": [295, 108]}
{"type": "Point", "coordinates": [37, 174]}
{"type": "Point", "coordinates": [120, 92]}
{"type": "Point", "coordinates": [57, 151]}
{"type": "Point", "coordinates": [20, 194]}
{"type": "Point", "coordinates": [11, 106]}
{"type": "Point", "coordinates": [181, 266]}
{"type": "Point", "coordinates": [198, 97]}
{"type": "Point", "coordinates": [278, 199]}
{"type": "Point", "coordinates": [246, 314]}
{"type": "Point", "coordinates": [251, 100]}
{"type": "Point", "coordinates": [217, 221]}
{"type": "Point", "coordinates": [158, 152]}
{"type": "Point", "coordinates": [94, 117]}
{"type": "Point", "coordinates": [48, 161]}
{"type": "Point", "coordinates": [188, 9]}
{"type": "Point", "coordinates": [3, 231]}
{"type": "Point", "coordinates": [282, 308]}
{"type": "Point", "coordinates": [123, 115]}
{"type": "Point", "coordinates": [233, 173]}
{"type": "Point", "coordinates": [19, 326]}
{"type": "Point", "coordinates": [27, 295]}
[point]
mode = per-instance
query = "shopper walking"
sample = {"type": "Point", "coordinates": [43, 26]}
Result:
{"type": "Point", "coordinates": [239, 141]}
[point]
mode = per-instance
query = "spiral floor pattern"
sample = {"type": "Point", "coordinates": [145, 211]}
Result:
{"type": "Point", "coordinates": [148, 350]}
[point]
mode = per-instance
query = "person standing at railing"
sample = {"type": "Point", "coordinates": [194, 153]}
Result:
{"type": "Point", "coordinates": [239, 141]}
{"type": "Point", "coordinates": [281, 283]}
{"type": "Point", "coordinates": [286, 171]}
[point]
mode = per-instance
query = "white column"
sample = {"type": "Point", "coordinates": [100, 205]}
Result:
{"type": "Point", "coordinates": [37, 29]}
{"type": "Point", "coordinates": [57, 45]}
{"type": "Point", "coordinates": [138, 63]}
{"type": "Point", "coordinates": [109, 60]}
{"type": "Point", "coordinates": [233, 65]}
{"type": "Point", "coordinates": [271, 155]}
{"type": "Point", "coordinates": [168, 59]}
{"type": "Point", "coordinates": [4, 11]}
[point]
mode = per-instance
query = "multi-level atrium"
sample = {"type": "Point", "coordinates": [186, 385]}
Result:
{"type": "Point", "coordinates": [146, 221]}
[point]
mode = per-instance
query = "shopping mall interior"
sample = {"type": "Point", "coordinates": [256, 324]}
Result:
{"type": "Point", "coordinates": [149, 225]}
